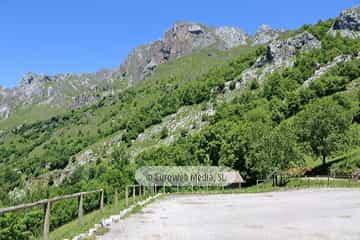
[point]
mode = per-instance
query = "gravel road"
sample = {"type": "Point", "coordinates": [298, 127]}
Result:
{"type": "Point", "coordinates": [315, 214]}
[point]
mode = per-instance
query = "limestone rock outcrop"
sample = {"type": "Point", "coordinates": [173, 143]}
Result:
{"type": "Point", "coordinates": [348, 23]}
{"type": "Point", "coordinates": [322, 70]}
{"type": "Point", "coordinates": [279, 54]}
{"type": "Point", "coordinates": [281, 51]}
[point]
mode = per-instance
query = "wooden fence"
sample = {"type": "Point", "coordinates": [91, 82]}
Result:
{"type": "Point", "coordinates": [135, 190]}
{"type": "Point", "coordinates": [46, 203]}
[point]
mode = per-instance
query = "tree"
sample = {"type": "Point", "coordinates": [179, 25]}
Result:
{"type": "Point", "coordinates": [276, 151]}
{"type": "Point", "coordinates": [120, 157]}
{"type": "Point", "coordinates": [328, 85]}
{"type": "Point", "coordinates": [322, 125]}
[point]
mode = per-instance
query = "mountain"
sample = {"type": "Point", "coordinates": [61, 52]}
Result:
{"type": "Point", "coordinates": [182, 39]}
{"type": "Point", "coordinates": [69, 91]}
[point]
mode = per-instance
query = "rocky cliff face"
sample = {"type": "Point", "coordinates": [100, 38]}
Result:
{"type": "Point", "coordinates": [181, 39]}
{"type": "Point", "coordinates": [280, 51]}
{"type": "Point", "coordinates": [279, 54]}
{"type": "Point", "coordinates": [348, 23]}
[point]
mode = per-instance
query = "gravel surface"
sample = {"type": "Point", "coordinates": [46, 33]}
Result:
{"type": "Point", "coordinates": [321, 214]}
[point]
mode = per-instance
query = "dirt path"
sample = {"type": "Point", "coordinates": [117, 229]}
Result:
{"type": "Point", "coordinates": [327, 214]}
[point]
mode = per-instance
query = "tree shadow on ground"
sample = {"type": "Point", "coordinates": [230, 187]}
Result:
{"type": "Point", "coordinates": [323, 169]}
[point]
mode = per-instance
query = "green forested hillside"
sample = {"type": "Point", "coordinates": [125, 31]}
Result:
{"type": "Point", "coordinates": [31, 150]}
{"type": "Point", "coordinates": [276, 124]}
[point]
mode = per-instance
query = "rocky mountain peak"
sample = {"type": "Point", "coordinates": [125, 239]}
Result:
{"type": "Point", "coordinates": [351, 13]}
{"type": "Point", "coordinates": [31, 78]}
{"type": "Point", "coordinates": [231, 36]}
{"type": "Point", "coordinates": [28, 78]}
{"type": "Point", "coordinates": [181, 39]}
{"type": "Point", "coordinates": [184, 37]}
{"type": "Point", "coordinates": [348, 23]}
{"type": "Point", "coordinates": [184, 27]}
{"type": "Point", "coordinates": [265, 34]}
{"type": "Point", "coordinates": [264, 28]}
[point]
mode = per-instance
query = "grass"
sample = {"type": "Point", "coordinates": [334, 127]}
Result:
{"type": "Point", "coordinates": [347, 163]}
{"type": "Point", "coordinates": [101, 231]}
{"type": "Point", "coordinates": [30, 114]}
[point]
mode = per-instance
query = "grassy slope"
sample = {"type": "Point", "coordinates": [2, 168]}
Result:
{"type": "Point", "coordinates": [29, 115]}
{"type": "Point", "coordinates": [346, 163]}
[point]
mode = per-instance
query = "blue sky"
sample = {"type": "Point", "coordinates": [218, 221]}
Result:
{"type": "Point", "coordinates": [56, 36]}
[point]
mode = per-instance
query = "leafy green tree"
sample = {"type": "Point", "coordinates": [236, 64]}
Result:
{"type": "Point", "coordinates": [329, 85]}
{"type": "Point", "coordinates": [322, 125]}
{"type": "Point", "coordinates": [276, 151]}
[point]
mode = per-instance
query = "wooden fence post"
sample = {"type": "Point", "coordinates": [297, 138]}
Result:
{"type": "Point", "coordinates": [116, 199]}
{"type": "Point", "coordinates": [47, 221]}
{"type": "Point", "coordinates": [134, 189]}
{"type": "Point", "coordinates": [164, 188]}
{"type": "Point", "coordinates": [177, 188]}
{"type": "Point", "coordinates": [102, 199]}
{"type": "Point", "coordinates": [127, 196]}
{"type": "Point", "coordinates": [192, 188]}
{"type": "Point", "coordinates": [155, 188]}
{"type": "Point", "coordinates": [81, 209]}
